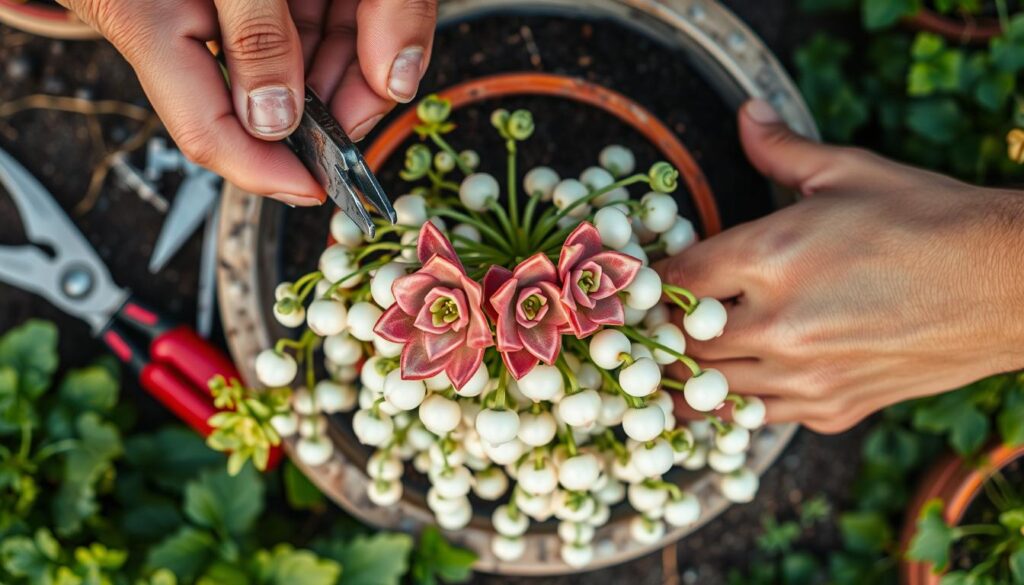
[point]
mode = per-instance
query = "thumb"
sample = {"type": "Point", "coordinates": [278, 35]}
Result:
{"type": "Point", "coordinates": [265, 65]}
{"type": "Point", "coordinates": [780, 154]}
{"type": "Point", "coordinates": [394, 42]}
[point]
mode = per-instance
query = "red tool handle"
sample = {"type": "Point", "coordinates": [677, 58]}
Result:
{"type": "Point", "coordinates": [195, 362]}
{"type": "Point", "coordinates": [192, 356]}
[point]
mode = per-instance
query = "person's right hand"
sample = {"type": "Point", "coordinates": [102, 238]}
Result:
{"type": "Point", "coordinates": [360, 56]}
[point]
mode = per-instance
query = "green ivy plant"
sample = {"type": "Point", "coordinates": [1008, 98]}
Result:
{"type": "Point", "coordinates": [86, 499]}
{"type": "Point", "coordinates": [997, 539]}
{"type": "Point", "coordinates": [916, 97]}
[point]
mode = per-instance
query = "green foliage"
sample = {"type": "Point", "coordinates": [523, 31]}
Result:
{"type": "Point", "coordinates": [87, 500]}
{"type": "Point", "coordinates": [917, 97]}
{"type": "Point", "coordinates": [933, 538]}
{"type": "Point", "coordinates": [434, 560]}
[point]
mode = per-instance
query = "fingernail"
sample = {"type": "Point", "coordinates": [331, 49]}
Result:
{"type": "Point", "coordinates": [271, 110]}
{"type": "Point", "coordinates": [295, 200]}
{"type": "Point", "coordinates": [363, 128]}
{"type": "Point", "coordinates": [762, 112]}
{"type": "Point", "coordinates": [405, 74]}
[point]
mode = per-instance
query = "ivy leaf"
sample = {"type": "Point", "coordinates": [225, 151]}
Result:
{"type": "Point", "coordinates": [186, 553]}
{"type": "Point", "coordinates": [90, 389]}
{"type": "Point", "coordinates": [1010, 417]}
{"type": "Point", "coordinates": [301, 493]}
{"type": "Point", "coordinates": [435, 559]}
{"type": "Point", "coordinates": [878, 14]}
{"type": "Point", "coordinates": [171, 456]}
{"type": "Point", "coordinates": [933, 538]}
{"type": "Point", "coordinates": [224, 503]}
{"type": "Point", "coordinates": [957, 414]}
{"type": "Point", "coordinates": [1017, 567]}
{"type": "Point", "coordinates": [1007, 50]}
{"type": "Point", "coordinates": [865, 532]}
{"type": "Point", "coordinates": [936, 120]}
{"type": "Point", "coordinates": [31, 350]}
{"type": "Point", "coordinates": [99, 444]}
{"type": "Point", "coordinates": [799, 568]}
{"type": "Point", "coordinates": [380, 559]}
{"type": "Point", "coordinates": [286, 566]}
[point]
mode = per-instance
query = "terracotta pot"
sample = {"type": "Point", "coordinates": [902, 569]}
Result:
{"type": "Point", "coordinates": [560, 86]}
{"type": "Point", "coordinates": [956, 29]}
{"type": "Point", "coordinates": [44, 19]}
{"type": "Point", "coordinates": [957, 484]}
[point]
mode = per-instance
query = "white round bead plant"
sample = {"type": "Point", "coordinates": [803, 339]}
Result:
{"type": "Point", "coordinates": [521, 356]}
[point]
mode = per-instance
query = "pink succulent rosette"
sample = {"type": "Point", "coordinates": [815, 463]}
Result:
{"type": "Point", "coordinates": [527, 309]}
{"type": "Point", "coordinates": [591, 276]}
{"type": "Point", "coordinates": [437, 315]}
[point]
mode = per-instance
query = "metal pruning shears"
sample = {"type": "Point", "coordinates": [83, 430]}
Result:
{"type": "Point", "coordinates": [337, 164]}
{"type": "Point", "coordinates": [174, 365]}
{"type": "Point", "coordinates": [333, 159]}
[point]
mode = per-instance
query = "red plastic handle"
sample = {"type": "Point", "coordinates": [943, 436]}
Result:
{"type": "Point", "coordinates": [179, 376]}
{"type": "Point", "coordinates": [178, 395]}
{"type": "Point", "coordinates": [192, 356]}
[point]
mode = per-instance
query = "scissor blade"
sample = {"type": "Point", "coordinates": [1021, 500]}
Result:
{"type": "Point", "coordinates": [351, 205]}
{"type": "Point", "coordinates": [363, 177]}
{"type": "Point", "coordinates": [192, 203]}
{"type": "Point", "coordinates": [44, 221]}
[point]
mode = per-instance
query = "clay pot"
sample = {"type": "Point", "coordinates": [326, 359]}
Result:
{"type": "Point", "coordinates": [957, 483]}
{"type": "Point", "coordinates": [560, 86]}
{"type": "Point", "coordinates": [48, 20]}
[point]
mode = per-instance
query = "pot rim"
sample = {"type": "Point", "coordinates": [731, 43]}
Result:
{"type": "Point", "coordinates": [474, 91]}
{"type": "Point", "coordinates": [957, 483]}
{"type": "Point", "coordinates": [48, 21]}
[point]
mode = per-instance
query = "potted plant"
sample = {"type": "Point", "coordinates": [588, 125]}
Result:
{"type": "Point", "coordinates": [510, 348]}
{"type": "Point", "coordinates": [966, 524]}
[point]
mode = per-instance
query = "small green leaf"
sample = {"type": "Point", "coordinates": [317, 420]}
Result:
{"type": "Point", "coordinates": [225, 503]}
{"type": "Point", "coordinates": [865, 532]}
{"type": "Point", "coordinates": [301, 493]}
{"type": "Point", "coordinates": [31, 350]}
{"type": "Point", "coordinates": [436, 559]}
{"type": "Point", "coordinates": [186, 553]}
{"type": "Point", "coordinates": [936, 120]}
{"type": "Point", "coordinates": [882, 13]}
{"type": "Point", "coordinates": [286, 566]}
{"type": "Point", "coordinates": [1009, 419]}
{"type": "Point", "coordinates": [1016, 562]}
{"type": "Point", "coordinates": [380, 559]}
{"type": "Point", "coordinates": [932, 541]}
{"type": "Point", "coordinates": [89, 389]}
{"type": "Point", "coordinates": [21, 558]}
{"type": "Point", "coordinates": [799, 568]}
{"type": "Point", "coordinates": [1013, 519]}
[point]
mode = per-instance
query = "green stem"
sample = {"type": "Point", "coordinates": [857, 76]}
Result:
{"type": "Point", "coordinates": [440, 183]}
{"type": "Point", "coordinates": [680, 291]}
{"type": "Point", "coordinates": [506, 223]}
{"type": "Point", "coordinates": [380, 246]}
{"type": "Point", "coordinates": [685, 306]}
{"type": "Point", "coordinates": [443, 144]}
{"type": "Point", "coordinates": [513, 199]}
{"type": "Point", "coordinates": [636, 336]}
{"type": "Point", "coordinates": [298, 284]}
{"type": "Point", "coordinates": [531, 208]}
{"type": "Point", "coordinates": [563, 366]}
{"type": "Point", "coordinates": [362, 270]}
{"type": "Point", "coordinates": [978, 530]}
{"type": "Point", "coordinates": [484, 228]}
{"type": "Point", "coordinates": [673, 384]}
{"type": "Point", "coordinates": [638, 178]}
{"type": "Point", "coordinates": [570, 441]}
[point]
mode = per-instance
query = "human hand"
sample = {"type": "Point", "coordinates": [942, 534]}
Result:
{"type": "Point", "coordinates": [886, 283]}
{"type": "Point", "coordinates": [360, 56]}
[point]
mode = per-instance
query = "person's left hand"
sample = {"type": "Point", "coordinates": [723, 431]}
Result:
{"type": "Point", "coordinates": [886, 283]}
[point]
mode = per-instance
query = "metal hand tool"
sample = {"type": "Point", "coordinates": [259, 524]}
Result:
{"type": "Point", "coordinates": [174, 366]}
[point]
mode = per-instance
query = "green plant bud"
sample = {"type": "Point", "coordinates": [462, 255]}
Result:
{"type": "Point", "coordinates": [519, 125]}
{"type": "Point", "coordinates": [433, 109]}
{"type": "Point", "coordinates": [499, 119]}
{"type": "Point", "coordinates": [470, 158]}
{"type": "Point", "coordinates": [664, 177]}
{"type": "Point", "coordinates": [444, 161]}
{"type": "Point", "coordinates": [417, 162]}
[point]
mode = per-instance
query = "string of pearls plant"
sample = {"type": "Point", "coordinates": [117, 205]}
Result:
{"type": "Point", "coordinates": [511, 348]}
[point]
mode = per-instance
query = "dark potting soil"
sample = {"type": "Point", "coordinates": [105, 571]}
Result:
{"type": "Point", "coordinates": [57, 148]}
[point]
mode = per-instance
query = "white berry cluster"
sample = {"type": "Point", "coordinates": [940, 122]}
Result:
{"type": "Point", "coordinates": [567, 440]}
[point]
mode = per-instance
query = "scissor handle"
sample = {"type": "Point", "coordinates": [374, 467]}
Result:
{"type": "Point", "coordinates": [192, 356]}
{"type": "Point", "coordinates": [178, 395]}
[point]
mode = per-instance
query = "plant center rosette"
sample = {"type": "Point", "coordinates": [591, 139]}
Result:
{"type": "Point", "coordinates": [511, 348]}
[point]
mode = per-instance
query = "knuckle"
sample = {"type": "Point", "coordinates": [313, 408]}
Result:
{"type": "Point", "coordinates": [421, 9]}
{"type": "Point", "coordinates": [256, 38]}
{"type": "Point", "coordinates": [195, 143]}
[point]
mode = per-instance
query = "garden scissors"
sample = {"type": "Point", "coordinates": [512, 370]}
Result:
{"type": "Point", "coordinates": [174, 366]}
